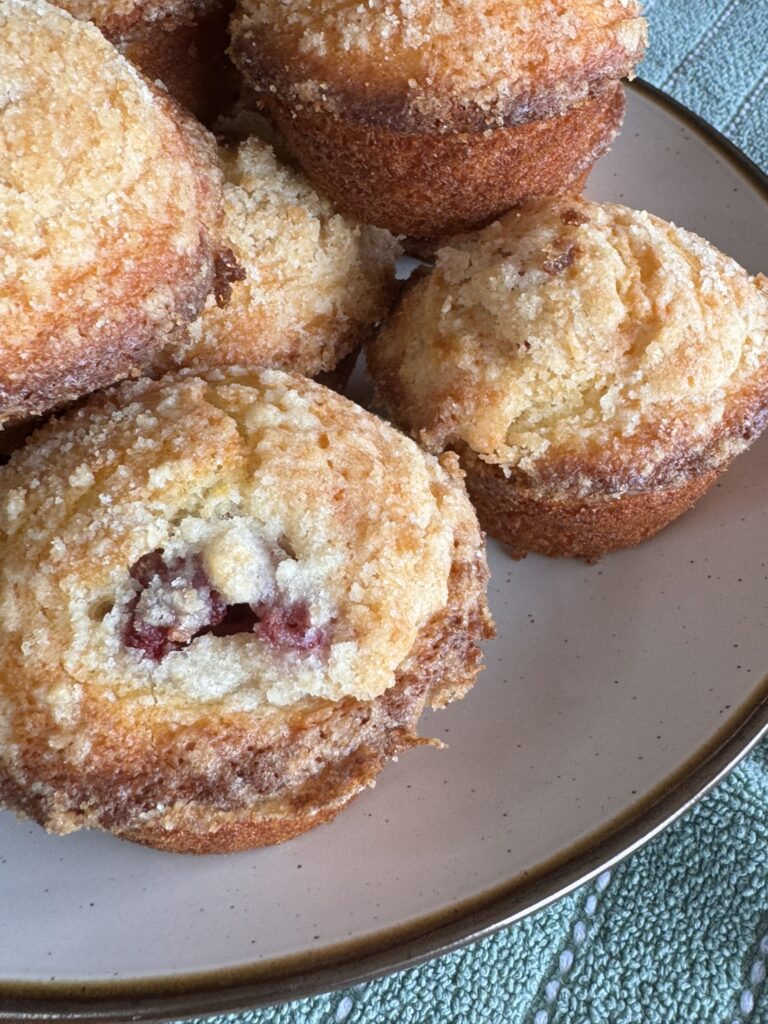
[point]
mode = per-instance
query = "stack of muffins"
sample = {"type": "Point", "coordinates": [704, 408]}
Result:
{"type": "Point", "coordinates": [227, 593]}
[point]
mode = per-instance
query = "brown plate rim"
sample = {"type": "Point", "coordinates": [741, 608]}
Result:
{"type": "Point", "coordinates": [181, 996]}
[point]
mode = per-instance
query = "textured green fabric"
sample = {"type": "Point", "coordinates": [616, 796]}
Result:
{"type": "Point", "coordinates": [679, 931]}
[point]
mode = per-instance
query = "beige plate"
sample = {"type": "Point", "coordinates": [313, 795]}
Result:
{"type": "Point", "coordinates": [613, 697]}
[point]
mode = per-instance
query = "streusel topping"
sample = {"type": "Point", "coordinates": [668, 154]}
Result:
{"type": "Point", "coordinates": [236, 537]}
{"type": "Point", "coordinates": [102, 201]}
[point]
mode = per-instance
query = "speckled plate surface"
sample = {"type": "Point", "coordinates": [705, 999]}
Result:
{"type": "Point", "coordinates": [613, 696]}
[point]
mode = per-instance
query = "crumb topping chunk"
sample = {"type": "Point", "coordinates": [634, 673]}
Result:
{"type": "Point", "coordinates": [175, 603]}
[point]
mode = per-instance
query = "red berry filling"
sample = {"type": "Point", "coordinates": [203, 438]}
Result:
{"type": "Point", "coordinates": [177, 602]}
{"type": "Point", "coordinates": [289, 627]}
{"type": "Point", "coordinates": [176, 630]}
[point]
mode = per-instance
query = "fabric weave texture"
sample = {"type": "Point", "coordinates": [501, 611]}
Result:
{"type": "Point", "coordinates": [678, 932]}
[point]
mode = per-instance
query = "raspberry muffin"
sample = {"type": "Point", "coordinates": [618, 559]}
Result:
{"type": "Point", "coordinates": [225, 600]}
{"type": "Point", "coordinates": [109, 214]}
{"type": "Point", "coordinates": [313, 281]}
{"type": "Point", "coordinates": [595, 367]}
{"type": "Point", "coordinates": [428, 117]}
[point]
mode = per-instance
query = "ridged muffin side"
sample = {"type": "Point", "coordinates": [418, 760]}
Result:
{"type": "Point", "coordinates": [429, 186]}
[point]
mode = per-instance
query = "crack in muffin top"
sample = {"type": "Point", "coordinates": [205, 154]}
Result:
{"type": "Point", "coordinates": [582, 340]}
{"type": "Point", "coordinates": [437, 64]}
{"type": "Point", "coordinates": [238, 538]}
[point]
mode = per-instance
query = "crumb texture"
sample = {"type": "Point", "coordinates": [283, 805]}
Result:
{"type": "Point", "coordinates": [437, 62]}
{"type": "Point", "coordinates": [582, 342]}
{"type": "Point", "coordinates": [109, 204]}
{"type": "Point", "coordinates": [315, 281]}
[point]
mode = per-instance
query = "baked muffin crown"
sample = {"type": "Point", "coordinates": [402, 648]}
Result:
{"type": "Point", "coordinates": [421, 65]}
{"type": "Point", "coordinates": [314, 281]}
{"type": "Point", "coordinates": [155, 510]}
{"type": "Point", "coordinates": [581, 346]}
{"type": "Point", "coordinates": [109, 211]}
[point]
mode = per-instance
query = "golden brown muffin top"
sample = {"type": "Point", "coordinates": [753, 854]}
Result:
{"type": "Point", "coordinates": [314, 279]}
{"type": "Point", "coordinates": [106, 200]}
{"type": "Point", "coordinates": [437, 64]}
{"type": "Point", "coordinates": [318, 538]}
{"type": "Point", "coordinates": [578, 341]}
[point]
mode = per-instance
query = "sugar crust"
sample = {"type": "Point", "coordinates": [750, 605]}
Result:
{"type": "Point", "coordinates": [213, 464]}
{"type": "Point", "coordinates": [433, 64]}
{"type": "Point", "coordinates": [316, 281]}
{"type": "Point", "coordinates": [581, 347]}
{"type": "Point", "coordinates": [109, 210]}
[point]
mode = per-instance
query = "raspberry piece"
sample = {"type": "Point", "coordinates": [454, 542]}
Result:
{"type": "Point", "coordinates": [240, 618]}
{"type": "Point", "coordinates": [175, 604]}
{"type": "Point", "coordinates": [289, 627]}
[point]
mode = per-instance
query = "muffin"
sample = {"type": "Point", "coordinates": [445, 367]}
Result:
{"type": "Point", "coordinates": [109, 214]}
{"type": "Point", "coordinates": [428, 117]}
{"type": "Point", "coordinates": [181, 43]}
{"type": "Point", "coordinates": [225, 601]}
{"type": "Point", "coordinates": [596, 368]}
{"type": "Point", "coordinates": [313, 282]}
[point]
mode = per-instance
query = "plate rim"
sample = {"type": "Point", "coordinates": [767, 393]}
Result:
{"type": "Point", "coordinates": [173, 997]}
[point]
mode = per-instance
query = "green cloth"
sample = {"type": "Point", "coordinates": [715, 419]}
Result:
{"type": "Point", "coordinates": [678, 933]}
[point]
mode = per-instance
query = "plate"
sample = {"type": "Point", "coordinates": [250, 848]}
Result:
{"type": "Point", "coordinates": [613, 697]}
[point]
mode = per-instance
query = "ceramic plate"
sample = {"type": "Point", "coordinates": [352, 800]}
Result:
{"type": "Point", "coordinates": [614, 696]}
